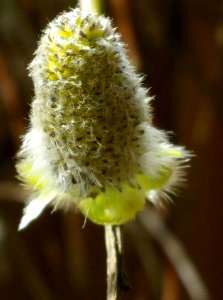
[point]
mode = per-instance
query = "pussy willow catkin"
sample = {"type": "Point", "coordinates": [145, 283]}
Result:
{"type": "Point", "coordinates": [91, 141]}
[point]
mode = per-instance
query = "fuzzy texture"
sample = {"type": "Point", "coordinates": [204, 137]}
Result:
{"type": "Point", "coordinates": [91, 139]}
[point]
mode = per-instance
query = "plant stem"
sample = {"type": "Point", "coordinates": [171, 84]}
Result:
{"type": "Point", "coordinates": [89, 6]}
{"type": "Point", "coordinates": [174, 251]}
{"type": "Point", "coordinates": [116, 280]}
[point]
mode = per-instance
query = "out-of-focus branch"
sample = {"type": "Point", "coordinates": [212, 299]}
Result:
{"type": "Point", "coordinates": [149, 257]}
{"type": "Point", "coordinates": [122, 16]}
{"type": "Point", "coordinates": [10, 98]}
{"type": "Point", "coordinates": [173, 249]}
{"type": "Point", "coordinates": [30, 274]}
{"type": "Point", "coordinates": [12, 191]}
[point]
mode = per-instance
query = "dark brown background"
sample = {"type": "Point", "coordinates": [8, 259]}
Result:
{"type": "Point", "coordinates": [178, 45]}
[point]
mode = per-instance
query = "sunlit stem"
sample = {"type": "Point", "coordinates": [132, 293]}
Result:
{"type": "Point", "coordinates": [117, 281]}
{"type": "Point", "coordinates": [115, 278]}
{"type": "Point", "coordinates": [89, 6]}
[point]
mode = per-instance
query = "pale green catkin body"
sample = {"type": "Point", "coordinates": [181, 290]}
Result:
{"type": "Point", "coordinates": [90, 119]}
{"type": "Point", "coordinates": [91, 103]}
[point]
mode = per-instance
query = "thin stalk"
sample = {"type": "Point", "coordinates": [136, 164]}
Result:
{"type": "Point", "coordinates": [89, 6]}
{"type": "Point", "coordinates": [116, 279]}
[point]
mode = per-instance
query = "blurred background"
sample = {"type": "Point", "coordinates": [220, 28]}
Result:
{"type": "Point", "coordinates": [178, 45]}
